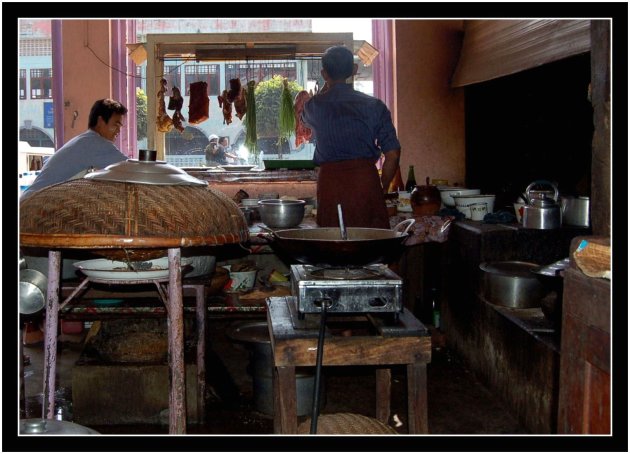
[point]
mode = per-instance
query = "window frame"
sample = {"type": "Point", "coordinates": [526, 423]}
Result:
{"type": "Point", "coordinates": [22, 90]}
{"type": "Point", "coordinates": [40, 78]}
{"type": "Point", "coordinates": [212, 77]}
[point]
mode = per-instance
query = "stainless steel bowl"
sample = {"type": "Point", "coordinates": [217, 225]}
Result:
{"type": "Point", "coordinates": [281, 214]}
{"type": "Point", "coordinates": [33, 288]}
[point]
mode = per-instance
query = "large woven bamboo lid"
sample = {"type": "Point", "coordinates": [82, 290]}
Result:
{"type": "Point", "coordinates": [128, 220]}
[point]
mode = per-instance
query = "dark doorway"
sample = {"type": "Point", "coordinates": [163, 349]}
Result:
{"type": "Point", "coordinates": [534, 125]}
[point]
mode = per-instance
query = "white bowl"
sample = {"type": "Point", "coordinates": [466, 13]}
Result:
{"type": "Point", "coordinates": [463, 202]}
{"type": "Point", "coordinates": [447, 194]}
{"type": "Point", "coordinates": [249, 202]}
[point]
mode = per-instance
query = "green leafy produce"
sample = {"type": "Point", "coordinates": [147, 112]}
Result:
{"type": "Point", "coordinates": [286, 119]}
{"type": "Point", "coordinates": [250, 117]}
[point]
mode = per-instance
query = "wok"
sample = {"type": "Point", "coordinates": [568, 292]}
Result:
{"type": "Point", "coordinates": [324, 246]}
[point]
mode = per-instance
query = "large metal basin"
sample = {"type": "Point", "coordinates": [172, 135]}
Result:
{"type": "Point", "coordinates": [511, 284]}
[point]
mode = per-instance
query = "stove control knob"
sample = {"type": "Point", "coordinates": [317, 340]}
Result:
{"type": "Point", "coordinates": [378, 302]}
{"type": "Point", "coordinates": [325, 301]}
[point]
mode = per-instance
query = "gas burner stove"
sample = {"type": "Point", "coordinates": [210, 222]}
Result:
{"type": "Point", "coordinates": [368, 289]}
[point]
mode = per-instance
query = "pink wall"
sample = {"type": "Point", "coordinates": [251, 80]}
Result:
{"type": "Point", "coordinates": [85, 78]}
{"type": "Point", "coordinates": [430, 118]}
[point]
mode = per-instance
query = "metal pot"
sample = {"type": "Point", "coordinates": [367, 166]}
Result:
{"type": "Point", "coordinates": [575, 211]}
{"type": "Point", "coordinates": [511, 284]}
{"type": "Point", "coordinates": [541, 212]}
{"type": "Point", "coordinates": [33, 288]}
{"type": "Point", "coordinates": [324, 246]}
{"type": "Point", "coordinates": [278, 213]}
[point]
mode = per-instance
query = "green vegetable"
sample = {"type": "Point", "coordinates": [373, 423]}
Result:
{"type": "Point", "coordinates": [250, 117]}
{"type": "Point", "coordinates": [286, 119]}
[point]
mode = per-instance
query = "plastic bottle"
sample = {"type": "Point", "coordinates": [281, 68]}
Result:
{"type": "Point", "coordinates": [411, 180]}
{"type": "Point", "coordinates": [435, 304]}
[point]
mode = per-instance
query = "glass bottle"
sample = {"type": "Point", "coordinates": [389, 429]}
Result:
{"type": "Point", "coordinates": [411, 180]}
{"type": "Point", "coordinates": [435, 304]}
{"type": "Point", "coordinates": [396, 184]}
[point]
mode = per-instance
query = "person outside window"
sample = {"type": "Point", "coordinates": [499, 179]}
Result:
{"type": "Point", "coordinates": [217, 151]}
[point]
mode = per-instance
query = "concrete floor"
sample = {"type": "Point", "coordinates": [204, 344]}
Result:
{"type": "Point", "coordinates": [457, 403]}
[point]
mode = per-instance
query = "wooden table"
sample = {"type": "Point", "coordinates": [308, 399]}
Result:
{"type": "Point", "coordinates": [294, 344]}
{"type": "Point", "coordinates": [173, 299]}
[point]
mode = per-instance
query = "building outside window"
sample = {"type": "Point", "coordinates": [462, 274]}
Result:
{"type": "Point", "coordinates": [22, 84]}
{"type": "Point", "coordinates": [138, 78]}
{"type": "Point", "coordinates": [259, 71]}
{"type": "Point", "coordinates": [41, 83]}
{"type": "Point", "coordinates": [202, 73]}
{"type": "Point", "coordinates": [173, 76]}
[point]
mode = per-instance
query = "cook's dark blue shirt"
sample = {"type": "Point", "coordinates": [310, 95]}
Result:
{"type": "Point", "coordinates": [348, 124]}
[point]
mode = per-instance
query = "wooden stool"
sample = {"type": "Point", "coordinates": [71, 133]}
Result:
{"type": "Point", "coordinates": [294, 344]}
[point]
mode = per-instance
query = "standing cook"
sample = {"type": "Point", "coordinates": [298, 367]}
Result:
{"type": "Point", "coordinates": [351, 130]}
{"type": "Point", "coordinates": [93, 148]}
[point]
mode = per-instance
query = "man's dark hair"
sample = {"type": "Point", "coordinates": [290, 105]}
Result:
{"type": "Point", "coordinates": [105, 108]}
{"type": "Point", "coordinates": [338, 62]}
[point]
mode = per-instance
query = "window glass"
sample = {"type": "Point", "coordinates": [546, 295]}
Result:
{"type": "Point", "coordinates": [202, 73]}
{"type": "Point", "coordinates": [22, 84]}
{"type": "Point", "coordinates": [41, 83]}
{"type": "Point", "coordinates": [186, 148]}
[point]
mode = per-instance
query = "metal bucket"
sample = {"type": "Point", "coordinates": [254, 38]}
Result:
{"type": "Point", "coordinates": [256, 336]}
{"type": "Point", "coordinates": [33, 288]}
{"type": "Point", "coordinates": [53, 427]}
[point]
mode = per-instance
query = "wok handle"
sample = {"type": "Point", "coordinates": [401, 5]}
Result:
{"type": "Point", "coordinates": [267, 234]}
{"type": "Point", "coordinates": [410, 221]}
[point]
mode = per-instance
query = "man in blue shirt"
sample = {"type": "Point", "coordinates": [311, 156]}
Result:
{"type": "Point", "coordinates": [93, 148]}
{"type": "Point", "coordinates": [350, 131]}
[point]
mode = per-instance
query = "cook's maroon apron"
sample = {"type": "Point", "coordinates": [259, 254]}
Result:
{"type": "Point", "coordinates": [356, 185]}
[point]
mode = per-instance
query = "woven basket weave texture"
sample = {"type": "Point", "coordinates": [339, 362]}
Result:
{"type": "Point", "coordinates": [346, 424]}
{"type": "Point", "coordinates": [90, 209]}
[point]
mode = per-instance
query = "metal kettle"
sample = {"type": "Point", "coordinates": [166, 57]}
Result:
{"type": "Point", "coordinates": [541, 212]}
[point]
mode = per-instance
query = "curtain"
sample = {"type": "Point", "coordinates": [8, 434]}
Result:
{"type": "Point", "coordinates": [383, 66]}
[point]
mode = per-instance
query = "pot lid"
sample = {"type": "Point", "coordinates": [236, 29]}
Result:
{"type": "Point", "coordinates": [52, 426]}
{"type": "Point", "coordinates": [145, 172]}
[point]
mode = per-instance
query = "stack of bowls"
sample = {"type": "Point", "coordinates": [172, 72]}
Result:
{"type": "Point", "coordinates": [249, 203]}
{"type": "Point", "coordinates": [465, 203]}
{"type": "Point", "coordinates": [447, 193]}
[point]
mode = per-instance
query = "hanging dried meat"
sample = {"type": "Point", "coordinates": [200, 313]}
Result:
{"type": "Point", "coordinates": [164, 122]}
{"type": "Point", "coordinates": [302, 133]}
{"type": "Point", "coordinates": [235, 89]}
{"type": "Point", "coordinates": [226, 107]}
{"type": "Point", "coordinates": [199, 106]}
{"type": "Point", "coordinates": [176, 102]}
{"type": "Point", "coordinates": [240, 103]}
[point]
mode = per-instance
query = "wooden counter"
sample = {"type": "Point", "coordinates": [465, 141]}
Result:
{"type": "Point", "coordinates": [298, 183]}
